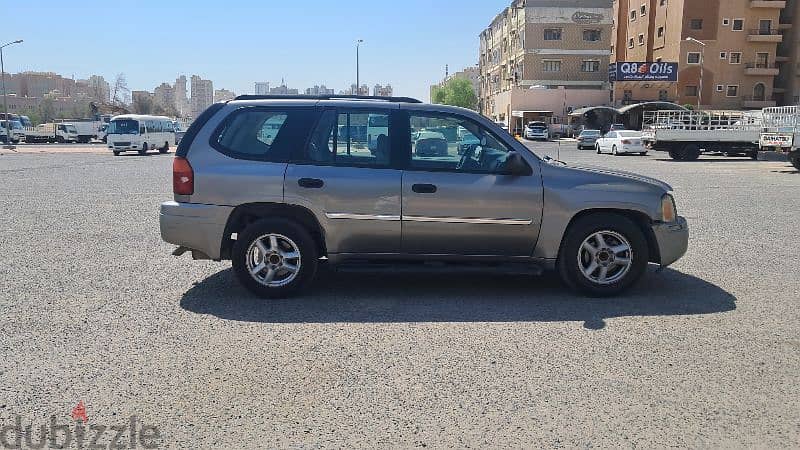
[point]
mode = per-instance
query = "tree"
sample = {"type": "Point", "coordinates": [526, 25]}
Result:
{"type": "Point", "coordinates": [456, 92]}
{"type": "Point", "coordinates": [119, 94]}
{"type": "Point", "coordinates": [47, 110]}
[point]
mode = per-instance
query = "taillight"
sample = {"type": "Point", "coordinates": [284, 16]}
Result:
{"type": "Point", "coordinates": [182, 177]}
{"type": "Point", "coordinates": [626, 142]}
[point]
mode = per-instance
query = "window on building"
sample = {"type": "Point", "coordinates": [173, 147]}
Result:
{"type": "Point", "coordinates": [720, 88]}
{"type": "Point", "coordinates": [738, 25]}
{"type": "Point", "coordinates": [552, 65]}
{"type": "Point", "coordinates": [641, 39]}
{"type": "Point", "coordinates": [726, 22]}
{"type": "Point", "coordinates": [643, 10]}
{"type": "Point", "coordinates": [736, 57]}
{"type": "Point", "coordinates": [693, 58]}
{"type": "Point", "coordinates": [690, 91]}
{"type": "Point", "coordinates": [696, 24]}
{"type": "Point", "coordinates": [592, 35]}
{"type": "Point", "coordinates": [663, 3]}
{"type": "Point", "coordinates": [590, 66]}
{"type": "Point", "coordinates": [661, 32]}
{"type": "Point", "coordinates": [723, 55]}
{"type": "Point", "coordinates": [765, 27]}
{"type": "Point", "coordinates": [633, 15]}
{"type": "Point", "coordinates": [733, 91]}
{"type": "Point", "coordinates": [552, 34]}
{"type": "Point", "coordinates": [762, 60]}
{"type": "Point", "coordinates": [612, 49]}
{"type": "Point", "coordinates": [630, 43]}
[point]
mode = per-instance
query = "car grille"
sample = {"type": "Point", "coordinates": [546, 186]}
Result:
{"type": "Point", "coordinates": [122, 144]}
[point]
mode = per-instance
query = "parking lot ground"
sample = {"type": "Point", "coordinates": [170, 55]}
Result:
{"type": "Point", "coordinates": [95, 309]}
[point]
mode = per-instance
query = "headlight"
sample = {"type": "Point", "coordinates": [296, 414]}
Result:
{"type": "Point", "coordinates": [669, 212]}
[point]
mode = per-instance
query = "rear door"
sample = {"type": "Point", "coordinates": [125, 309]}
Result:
{"type": "Point", "coordinates": [346, 176]}
{"type": "Point", "coordinates": [462, 203]}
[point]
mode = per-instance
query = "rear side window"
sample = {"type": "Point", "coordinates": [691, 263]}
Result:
{"type": "Point", "coordinates": [195, 127]}
{"type": "Point", "coordinates": [263, 134]}
{"type": "Point", "coordinates": [351, 138]}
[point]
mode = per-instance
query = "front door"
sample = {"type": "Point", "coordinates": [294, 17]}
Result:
{"type": "Point", "coordinates": [459, 201]}
{"type": "Point", "coordinates": [349, 184]}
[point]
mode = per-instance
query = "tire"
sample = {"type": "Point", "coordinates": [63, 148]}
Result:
{"type": "Point", "coordinates": [60, 140]}
{"type": "Point", "coordinates": [597, 148]}
{"type": "Point", "coordinates": [618, 231]}
{"type": "Point", "coordinates": [691, 152]}
{"type": "Point", "coordinates": [164, 149]}
{"type": "Point", "coordinates": [144, 149]}
{"type": "Point", "coordinates": [642, 153]}
{"type": "Point", "coordinates": [116, 153]}
{"type": "Point", "coordinates": [794, 158]}
{"type": "Point", "coordinates": [289, 237]}
{"type": "Point", "coordinates": [614, 151]}
{"type": "Point", "coordinates": [753, 155]}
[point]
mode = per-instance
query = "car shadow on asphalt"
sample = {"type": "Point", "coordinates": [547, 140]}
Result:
{"type": "Point", "coordinates": [343, 297]}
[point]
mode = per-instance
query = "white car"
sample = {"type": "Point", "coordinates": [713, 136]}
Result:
{"type": "Point", "coordinates": [537, 130]}
{"type": "Point", "coordinates": [621, 143]}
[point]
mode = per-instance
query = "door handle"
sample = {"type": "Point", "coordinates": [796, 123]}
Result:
{"type": "Point", "coordinates": [310, 183]}
{"type": "Point", "coordinates": [424, 188]}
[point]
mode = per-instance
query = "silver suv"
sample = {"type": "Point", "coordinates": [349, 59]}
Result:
{"type": "Point", "coordinates": [278, 184]}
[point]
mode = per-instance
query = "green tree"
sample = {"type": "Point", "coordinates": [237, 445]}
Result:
{"type": "Point", "coordinates": [456, 92]}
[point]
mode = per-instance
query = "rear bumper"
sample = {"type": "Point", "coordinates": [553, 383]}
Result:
{"type": "Point", "coordinates": [197, 227]}
{"type": "Point", "coordinates": [672, 239]}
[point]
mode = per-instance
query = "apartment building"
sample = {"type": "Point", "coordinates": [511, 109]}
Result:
{"type": "Point", "coordinates": [223, 95]}
{"type": "Point", "coordinates": [383, 91]}
{"type": "Point", "coordinates": [202, 95]}
{"type": "Point", "coordinates": [733, 66]}
{"type": "Point", "coordinates": [182, 103]}
{"type": "Point", "coordinates": [164, 97]}
{"type": "Point", "coordinates": [319, 90]}
{"type": "Point", "coordinates": [261, 88]}
{"type": "Point", "coordinates": [787, 87]}
{"type": "Point", "coordinates": [537, 50]}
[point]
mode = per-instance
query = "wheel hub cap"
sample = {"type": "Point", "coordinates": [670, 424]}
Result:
{"type": "Point", "coordinates": [273, 260]}
{"type": "Point", "coordinates": [605, 257]}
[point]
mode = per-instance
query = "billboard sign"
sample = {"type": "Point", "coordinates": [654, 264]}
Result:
{"type": "Point", "coordinates": [643, 71]}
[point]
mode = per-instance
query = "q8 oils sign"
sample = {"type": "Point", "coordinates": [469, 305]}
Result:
{"type": "Point", "coordinates": [643, 71]}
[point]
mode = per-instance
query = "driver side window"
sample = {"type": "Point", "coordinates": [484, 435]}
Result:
{"type": "Point", "coordinates": [441, 142]}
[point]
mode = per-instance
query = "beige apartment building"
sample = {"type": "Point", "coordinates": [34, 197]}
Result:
{"type": "Point", "coordinates": [535, 46]}
{"type": "Point", "coordinates": [736, 61]}
{"type": "Point", "coordinates": [787, 88]}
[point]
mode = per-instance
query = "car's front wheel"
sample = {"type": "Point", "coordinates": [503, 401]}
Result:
{"type": "Point", "coordinates": [597, 148]}
{"type": "Point", "coordinates": [603, 254]}
{"type": "Point", "coordinates": [275, 258]}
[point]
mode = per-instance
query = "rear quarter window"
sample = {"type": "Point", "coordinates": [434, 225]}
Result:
{"type": "Point", "coordinates": [263, 134]}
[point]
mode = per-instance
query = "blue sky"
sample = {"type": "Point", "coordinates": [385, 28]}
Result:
{"type": "Point", "coordinates": [235, 43]}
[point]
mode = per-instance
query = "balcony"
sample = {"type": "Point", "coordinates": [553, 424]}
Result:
{"type": "Point", "coordinates": [768, 4]}
{"type": "Point", "coordinates": [761, 70]}
{"type": "Point", "coordinates": [758, 103]}
{"type": "Point", "coordinates": [763, 35]}
{"type": "Point", "coordinates": [782, 59]}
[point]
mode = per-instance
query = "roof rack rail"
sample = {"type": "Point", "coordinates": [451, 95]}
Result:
{"type": "Point", "coordinates": [328, 97]}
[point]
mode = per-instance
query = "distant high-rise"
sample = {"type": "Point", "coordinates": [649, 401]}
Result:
{"type": "Point", "coordinates": [181, 98]}
{"type": "Point", "coordinates": [164, 98]}
{"type": "Point", "coordinates": [223, 95]}
{"type": "Point", "coordinates": [262, 88]}
{"type": "Point", "coordinates": [319, 90]}
{"type": "Point", "coordinates": [202, 95]}
{"type": "Point", "coordinates": [382, 91]}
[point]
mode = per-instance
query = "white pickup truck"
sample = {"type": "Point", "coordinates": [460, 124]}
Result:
{"type": "Point", "coordinates": [52, 132]}
{"type": "Point", "coordinates": [781, 132]}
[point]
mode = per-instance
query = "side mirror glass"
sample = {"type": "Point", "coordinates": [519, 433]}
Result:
{"type": "Point", "coordinates": [516, 166]}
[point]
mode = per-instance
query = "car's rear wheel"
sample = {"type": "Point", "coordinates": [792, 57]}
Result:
{"type": "Point", "coordinates": [164, 149]}
{"type": "Point", "coordinates": [614, 151]}
{"type": "Point", "coordinates": [603, 254]}
{"type": "Point", "coordinates": [144, 149]}
{"type": "Point", "coordinates": [275, 258]}
{"type": "Point", "coordinates": [794, 158]}
{"type": "Point", "coordinates": [597, 148]}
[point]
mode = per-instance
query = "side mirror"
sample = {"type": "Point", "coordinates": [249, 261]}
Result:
{"type": "Point", "coordinates": [484, 141]}
{"type": "Point", "coordinates": [516, 166]}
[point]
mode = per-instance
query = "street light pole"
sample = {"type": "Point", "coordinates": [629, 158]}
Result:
{"type": "Point", "coordinates": [702, 69]}
{"type": "Point", "coordinates": [358, 68]}
{"type": "Point", "coordinates": [5, 94]}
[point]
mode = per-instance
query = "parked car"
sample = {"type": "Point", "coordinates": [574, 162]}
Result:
{"type": "Point", "coordinates": [429, 144]}
{"type": "Point", "coordinates": [588, 139]}
{"type": "Point", "coordinates": [621, 143]}
{"type": "Point", "coordinates": [618, 127]}
{"type": "Point", "coordinates": [16, 129]}
{"type": "Point", "coordinates": [275, 208]}
{"type": "Point", "coordinates": [537, 130]}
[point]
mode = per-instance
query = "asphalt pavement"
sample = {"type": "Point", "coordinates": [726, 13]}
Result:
{"type": "Point", "coordinates": [96, 310]}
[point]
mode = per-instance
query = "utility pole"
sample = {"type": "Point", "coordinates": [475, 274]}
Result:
{"type": "Point", "coordinates": [358, 68]}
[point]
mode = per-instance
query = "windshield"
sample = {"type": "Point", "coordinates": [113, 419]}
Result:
{"type": "Point", "coordinates": [71, 129]}
{"type": "Point", "coordinates": [590, 133]}
{"type": "Point", "coordinates": [123, 126]}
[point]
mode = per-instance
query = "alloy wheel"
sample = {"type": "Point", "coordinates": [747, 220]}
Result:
{"type": "Point", "coordinates": [273, 260]}
{"type": "Point", "coordinates": [605, 257]}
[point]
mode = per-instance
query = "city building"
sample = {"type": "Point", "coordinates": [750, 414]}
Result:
{"type": "Point", "coordinates": [319, 90]}
{"type": "Point", "coordinates": [382, 91]}
{"type": "Point", "coordinates": [283, 90]}
{"type": "Point", "coordinates": [261, 88]}
{"type": "Point", "coordinates": [164, 98]}
{"type": "Point", "coordinates": [223, 95]}
{"type": "Point", "coordinates": [725, 50]}
{"type": "Point", "coordinates": [537, 51]}
{"type": "Point", "coordinates": [355, 90]}
{"type": "Point", "coordinates": [472, 74]}
{"type": "Point", "coordinates": [181, 97]}
{"type": "Point", "coordinates": [202, 95]}
{"type": "Point", "coordinates": [787, 85]}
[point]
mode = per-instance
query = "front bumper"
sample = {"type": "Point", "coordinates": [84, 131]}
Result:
{"type": "Point", "coordinates": [196, 227]}
{"type": "Point", "coordinates": [672, 240]}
